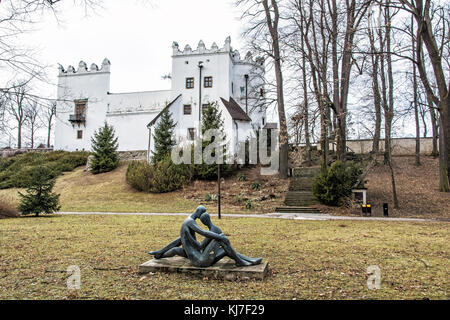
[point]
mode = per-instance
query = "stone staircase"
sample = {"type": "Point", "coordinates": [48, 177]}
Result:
{"type": "Point", "coordinates": [299, 198]}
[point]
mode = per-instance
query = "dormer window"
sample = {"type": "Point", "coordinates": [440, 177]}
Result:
{"type": "Point", "coordinates": [189, 83]}
{"type": "Point", "coordinates": [208, 82]}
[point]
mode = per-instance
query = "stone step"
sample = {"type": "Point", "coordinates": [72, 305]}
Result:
{"type": "Point", "coordinates": [305, 172]}
{"type": "Point", "coordinates": [306, 195]}
{"type": "Point", "coordinates": [301, 184]}
{"type": "Point", "coordinates": [300, 209]}
{"type": "Point", "coordinates": [299, 195]}
{"type": "Point", "coordinates": [299, 203]}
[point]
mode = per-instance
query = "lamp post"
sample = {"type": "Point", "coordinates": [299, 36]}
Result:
{"type": "Point", "coordinates": [200, 66]}
{"type": "Point", "coordinates": [218, 189]}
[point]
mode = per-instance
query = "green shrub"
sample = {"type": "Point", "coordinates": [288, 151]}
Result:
{"type": "Point", "coordinates": [209, 171]}
{"type": "Point", "coordinates": [14, 171]}
{"type": "Point", "coordinates": [238, 199]}
{"type": "Point", "coordinates": [164, 176]}
{"type": "Point", "coordinates": [211, 197]}
{"type": "Point", "coordinates": [140, 175]}
{"type": "Point", "coordinates": [169, 176]}
{"type": "Point", "coordinates": [242, 177]}
{"type": "Point", "coordinates": [333, 185]}
{"type": "Point", "coordinates": [248, 205]}
{"type": "Point", "coordinates": [256, 185]}
{"type": "Point", "coordinates": [39, 197]}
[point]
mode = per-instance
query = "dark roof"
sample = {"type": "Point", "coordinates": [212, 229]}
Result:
{"type": "Point", "coordinates": [159, 114]}
{"type": "Point", "coordinates": [235, 110]}
{"type": "Point", "coordinates": [271, 125]}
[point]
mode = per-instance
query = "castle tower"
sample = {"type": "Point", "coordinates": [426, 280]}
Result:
{"type": "Point", "coordinates": [81, 104]}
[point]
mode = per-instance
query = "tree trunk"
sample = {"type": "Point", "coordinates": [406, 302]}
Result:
{"type": "Point", "coordinates": [19, 136]}
{"type": "Point", "coordinates": [376, 94]}
{"type": "Point", "coordinates": [434, 127]}
{"type": "Point", "coordinates": [272, 24]}
{"type": "Point", "coordinates": [305, 100]}
{"type": "Point", "coordinates": [444, 147]}
{"type": "Point", "coordinates": [425, 35]}
{"type": "Point", "coordinates": [48, 136]}
{"type": "Point", "coordinates": [416, 104]}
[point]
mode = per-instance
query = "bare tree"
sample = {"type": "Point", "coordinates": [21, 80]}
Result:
{"type": "Point", "coordinates": [49, 114]}
{"type": "Point", "coordinates": [429, 36]}
{"type": "Point", "coordinates": [375, 58]}
{"type": "Point", "coordinates": [355, 12]}
{"type": "Point", "coordinates": [264, 16]}
{"type": "Point", "coordinates": [415, 95]}
{"type": "Point", "coordinates": [17, 106]}
{"type": "Point", "coordinates": [32, 120]}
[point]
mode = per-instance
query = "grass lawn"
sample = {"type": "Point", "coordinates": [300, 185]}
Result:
{"type": "Point", "coordinates": [308, 259]}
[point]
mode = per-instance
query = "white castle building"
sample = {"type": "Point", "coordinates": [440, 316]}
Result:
{"type": "Point", "coordinates": [199, 77]}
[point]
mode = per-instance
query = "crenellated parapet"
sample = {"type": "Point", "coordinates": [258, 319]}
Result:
{"type": "Point", "coordinates": [83, 69]}
{"type": "Point", "coordinates": [226, 48]}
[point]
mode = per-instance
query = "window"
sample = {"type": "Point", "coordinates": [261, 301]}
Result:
{"type": "Point", "coordinates": [191, 133]}
{"type": "Point", "coordinates": [263, 121]}
{"type": "Point", "coordinates": [232, 88]}
{"type": "Point", "coordinates": [189, 83]}
{"type": "Point", "coordinates": [205, 107]}
{"type": "Point", "coordinates": [187, 109]}
{"type": "Point", "coordinates": [80, 109]}
{"type": "Point", "coordinates": [208, 82]}
{"type": "Point", "coordinates": [80, 134]}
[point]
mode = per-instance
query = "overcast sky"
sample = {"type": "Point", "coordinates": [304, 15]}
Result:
{"type": "Point", "coordinates": [136, 36]}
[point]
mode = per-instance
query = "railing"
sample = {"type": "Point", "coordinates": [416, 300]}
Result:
{"type": "Point", "coordinates": [77, 118]}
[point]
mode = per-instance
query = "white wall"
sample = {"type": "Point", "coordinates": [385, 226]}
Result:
{"type": "Point", "coordinates": [130, 113]}
{"type": "Point", "coordinates": [91, 85]}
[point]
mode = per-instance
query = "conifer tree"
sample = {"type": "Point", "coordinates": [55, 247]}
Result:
{"type": "Point", "coordinates": [164, 137]}
{"type": "Point", "coordinates": [104, 147]}
{"type": "Point", "coordinates": [211, 119]}
{"type": "Point", "coordinates": [39, 197]}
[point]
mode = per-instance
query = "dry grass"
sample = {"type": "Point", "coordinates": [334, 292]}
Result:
{"type": "Point", "coordinates": [7, 209]}
{"type": "Point", "coordinates": [417, 190]}
{"type": "Point", "coordinates": [108, 192]}
{"type": "Point", "coordinates": [308, 259]}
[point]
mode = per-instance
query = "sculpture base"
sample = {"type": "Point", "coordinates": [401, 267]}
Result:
{"type": "Point", "coordinates": [224, 269]}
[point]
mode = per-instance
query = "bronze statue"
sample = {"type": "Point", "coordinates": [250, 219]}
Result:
{"type": "Point", "coordinates": [215, 246]}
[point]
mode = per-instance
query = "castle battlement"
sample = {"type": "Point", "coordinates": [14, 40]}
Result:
{"type": "Point", "coordinates": [201, 49]}
{"type": "Point", "coordinates": [82, 68]}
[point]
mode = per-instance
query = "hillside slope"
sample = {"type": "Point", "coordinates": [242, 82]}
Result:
{"type": "Point", "coordinates": [417, 189]}
{"type": "Point", "coordinates": [108, 192]}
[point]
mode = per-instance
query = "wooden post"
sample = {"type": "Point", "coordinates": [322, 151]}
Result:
{"type": "Point", "coordinates": [218, 189]}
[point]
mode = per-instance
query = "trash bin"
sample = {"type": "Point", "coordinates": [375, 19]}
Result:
{"type": "Point", "coordinates": [385, 209]}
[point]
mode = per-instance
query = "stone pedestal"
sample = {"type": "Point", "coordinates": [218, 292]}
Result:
{"type": "Point", "coordinates": [224, 269]}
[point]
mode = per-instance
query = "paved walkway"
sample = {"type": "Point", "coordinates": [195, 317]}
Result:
{"type": "Point", "coordinates": [292, 216]}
